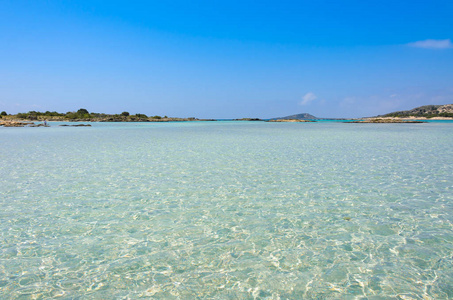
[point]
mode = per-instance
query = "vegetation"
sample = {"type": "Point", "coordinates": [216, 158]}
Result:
{"type": "Point", "coordinates": [3, 113]}
{"type": "Point", "coordinates": [84, 115]}
{"type": "Point", "coordinates": [82, 111]}
{"type": "Point", "coordinates": [425, 115]}
{"type": "Point", "coordinates": [427, 111]}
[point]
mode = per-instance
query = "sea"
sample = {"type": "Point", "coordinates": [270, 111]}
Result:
{"type": "Point", "coordinates": [227, 210]}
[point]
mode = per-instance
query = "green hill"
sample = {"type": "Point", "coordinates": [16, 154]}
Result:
{"type": "Point", "coordinates": [427, 111]}
{"type": "Point", "coordinates": [303, 116]}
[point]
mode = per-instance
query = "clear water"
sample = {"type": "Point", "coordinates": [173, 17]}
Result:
{"type": "Point", "coordinates": [227, 210]}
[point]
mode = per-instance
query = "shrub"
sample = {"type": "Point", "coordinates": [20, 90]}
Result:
{"type": "Point", "coordinates": [72, 116]}
{"type": "Point", "coordinates": [82, 111]}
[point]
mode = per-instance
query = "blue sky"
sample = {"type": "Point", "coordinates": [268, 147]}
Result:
{"type": "Point", "coordinates": [225, 59]}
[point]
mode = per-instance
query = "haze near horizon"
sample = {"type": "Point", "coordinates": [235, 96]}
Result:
{"type": "Point", "coordinates": [227, 59]}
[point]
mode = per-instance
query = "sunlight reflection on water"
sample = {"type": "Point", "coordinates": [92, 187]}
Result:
{"type": "Point", "coordinates": [227, 210]}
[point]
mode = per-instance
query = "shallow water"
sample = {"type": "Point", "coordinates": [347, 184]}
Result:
{"type": "Point", "coordinates": [227, 210]}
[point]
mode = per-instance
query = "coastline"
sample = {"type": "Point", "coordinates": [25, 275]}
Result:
{"type": "Point", "coordinates": [411, 118]}
{"type": "Point", "coordinates": [40, 121]}
{"type": "Point", "coordinates": [10, 121]}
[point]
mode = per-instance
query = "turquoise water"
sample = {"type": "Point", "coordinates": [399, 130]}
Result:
{"type": "Point", "coordinates": [227, 210]}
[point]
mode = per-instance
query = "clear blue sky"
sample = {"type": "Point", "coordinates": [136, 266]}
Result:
{"type": "Point", "coordinates": [225, 59]}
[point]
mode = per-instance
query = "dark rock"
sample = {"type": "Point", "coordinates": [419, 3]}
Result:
{"type": "Point", "coordinates": [77, 125]}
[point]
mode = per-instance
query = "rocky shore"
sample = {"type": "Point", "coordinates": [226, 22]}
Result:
{"type": "Point", "coordinates": [20, 124]}
{"type": "Point", "coordinates": [31, 124]}
{"type": "Point", "coordinates": [248, 119]}
{"type": "Point", "coordinates": [13, 121]}
{"type": "Point", "coordinates": [76, 125]}
{"type": "Point", "coordinates": [83, 115]}
{"type": "Point", "coordinates": [386, 120]}
{"type": "Point", "coordinates": [116, 119]}
{"type": "Point", "coordinates": [412, 118]}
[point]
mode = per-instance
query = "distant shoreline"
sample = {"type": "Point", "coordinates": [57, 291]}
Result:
{"type": "Point", "coordinates": [80, 123]}
{"type": "Point", "coordinates": [83, 115]}
{"type": "Point", "coordinates": [412, 118]}
{"type": "Point", "coordinates": [14, 119]}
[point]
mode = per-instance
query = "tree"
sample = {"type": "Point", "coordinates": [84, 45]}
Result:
{"type": "Point", "coordinates": [82, 111]}
{"type": "Point", "coordinates": [3, 113]}
{"type": "Point", "coordinates": [125, 113]}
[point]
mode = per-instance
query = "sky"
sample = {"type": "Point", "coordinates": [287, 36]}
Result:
{"type": "Point", "coordinates": [226, 59]}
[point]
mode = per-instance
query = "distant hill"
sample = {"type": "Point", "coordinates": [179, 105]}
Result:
{"type": "Point", "coordinates": [427, 111]}
{"type": "Point", "coordinates": [303, 116]}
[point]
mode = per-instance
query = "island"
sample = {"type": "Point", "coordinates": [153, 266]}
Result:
{"type": "Point", "coordinates": [289, 120]}
{"type": "Point", "coordinates": [434, 112]}
{"type": "Point", "coordinates": [81, 115]}
{"type": "Point", "coordinates": [416, 115]}
{"type": "Point", "coordinates": [301, 116]}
